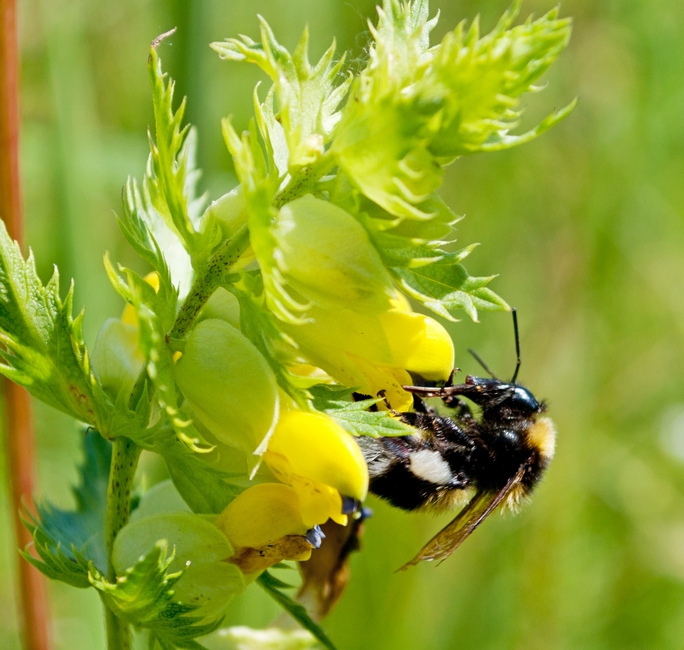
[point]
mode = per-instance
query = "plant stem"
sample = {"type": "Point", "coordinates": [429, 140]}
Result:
{"type": "Point", "coordinates": [33, 611]}
{"type": "Point", "coordinates": [304, 181]}
{"type": "Point", "coordinates": [209, 280]}
{"type": "Point", "coordinates": [125, 454]}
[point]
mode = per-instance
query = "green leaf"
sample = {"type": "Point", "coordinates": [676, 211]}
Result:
{"type": "Point", "coordinates": [205, 489]}
{"type": "Point", "coordinates": [57, 564]}
{"type": "Point", "coordinates": [171, 174]}
{"type": "Point", "coordinates": [155, 318]}
{"type": "Point", "coordinates": [44, 349]}
{"type": "Point", "coordinates": [144, 596]}
{"type": "Point", "coordinates": [355, 416]}
{"type": "Point", "coordinates": [479, 81]}
{"type": "Point", "coordinates": [68, 540]}
{"type": "Point", "coordinates": [307, 96]}
{"type": "Point", "coordinates": [273, 587]}
{"type": "Point", "coordinates": [260, 181]}
{"type": "Point", "coordinates": [380, 142]}
{"type": "Point", "coordinates": [43, 344]}
{"type": "Point", "coordinates": [359, 422]}
{"type": "Point", "coordinates": [416, 108]}
{"type": "Point", "coordinates": [446, 288]}
{"type": "Point", "coordinates": [144, 229]}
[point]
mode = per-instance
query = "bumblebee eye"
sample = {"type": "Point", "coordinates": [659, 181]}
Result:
{"type": "Point", "coordinates": [522, 400]}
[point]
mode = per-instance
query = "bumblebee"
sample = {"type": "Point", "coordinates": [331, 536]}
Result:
{"type": "Point", "coordinates": [462, 460]}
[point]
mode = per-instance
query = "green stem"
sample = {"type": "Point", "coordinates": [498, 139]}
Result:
{"type": "Point", "coordinates": [304, 181]}
{"type": "Point", "coordinates": [125, 454]}
{"type": "Point", "coordinates": [208, 281]}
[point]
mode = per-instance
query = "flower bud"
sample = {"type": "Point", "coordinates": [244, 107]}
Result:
{"type": "Point", "coordinates": [229, 385]}
{"type": "Point", "coordinates": [228, 211]}
{"type": "Point", "coordinates": [222, 305]}
{"type": "Point", "coordinates": [116, 357]}
{"type": "Point", "coordinates": [200, 550]}
{"type": "Point", "coordinates": [325, 254]}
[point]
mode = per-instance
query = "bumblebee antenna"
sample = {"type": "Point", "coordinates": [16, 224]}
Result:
{"type": "Point", "coordinates": [478, 358]}
{"type": "Point", "coordinates": [517, 344]}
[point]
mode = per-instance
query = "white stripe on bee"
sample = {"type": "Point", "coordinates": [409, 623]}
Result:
{"type": "Point", "coordinates": [430, 466]}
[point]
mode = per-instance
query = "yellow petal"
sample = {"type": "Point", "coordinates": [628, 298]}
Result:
{"type": "Point", "coordinates": [318, 502]}
{"type": "Point", "coordinates": [376, 352]}
{"type": "Point", "coordinates": [319, 449]}
{"type": "Point", "coordinates": [261, 515]}
{"type": "Point", "coordinates": [419, 344]}
{"type": "Point", "coordinates": [389, 380]}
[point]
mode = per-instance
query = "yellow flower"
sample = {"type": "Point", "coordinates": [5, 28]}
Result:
{"type": "Point", "coordinates": [321, 468]}
{"type": "Point", "coordinates": [374, 352]}
{"type": "Point", "coordinates": [264, 525]}
{"type": "Point", "coordinates": [321, 461]}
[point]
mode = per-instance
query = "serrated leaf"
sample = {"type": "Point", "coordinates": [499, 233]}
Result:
{"type": "Point", "coordinates": [480, 80]}
{"type": "Point", "coordinates": [416, 108]}
{"type": "Point", "coordinates": [258, 324]}
{"type": "Point", "coordinates": [69, 567]}
{"type": "Point", "coordinates": [144, 596]}
{"type": "Point", "coordinates": [325, 394]}
{"type": "Point", "coordinates": [447, 288]}
{"type": "Point", "coordinates": [151, 238]}
{"type": "Point", "coordinates": [155, 318]}
{"type": "Point", "coordinates": [68, 540]}
{"type": "Point", "coordinates": [206, 489]}
{"type": "Point", "coordinates": [374, 424]}
{"type": "Point", "coordinates": [171, 175]}
{"type": "Point", "coordinates": [272, 586]}
{"type": "Point", "coordinates": [307, 96]}
{"type": "Point", "coordinates": [43, 344]}
{"type": "Point", "coordinates": [355, 417]}
{"type": "Point", "coordinates": [260, 181]}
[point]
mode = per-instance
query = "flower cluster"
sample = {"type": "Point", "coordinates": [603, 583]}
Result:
{"type": "Point", "coordinates": [319, 291]}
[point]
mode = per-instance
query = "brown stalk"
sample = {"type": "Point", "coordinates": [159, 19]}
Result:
{"type": "Point", "coordinates": [33, 605]}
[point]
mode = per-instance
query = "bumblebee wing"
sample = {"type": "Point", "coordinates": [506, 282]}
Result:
{"type": "Point", "coordinates": [447, 540]}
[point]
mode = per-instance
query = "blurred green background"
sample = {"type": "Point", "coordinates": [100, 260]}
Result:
{"type": "Point", "coordinates": [585, 227]}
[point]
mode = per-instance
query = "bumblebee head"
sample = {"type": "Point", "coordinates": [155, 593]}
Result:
{"type": "Point", "coordinates": [522, 401]}
{"type": "Point", "coordinates": [499, 398]}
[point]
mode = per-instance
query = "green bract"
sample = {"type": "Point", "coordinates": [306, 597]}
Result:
{"type": "Point", "coordinates": [229, 385]}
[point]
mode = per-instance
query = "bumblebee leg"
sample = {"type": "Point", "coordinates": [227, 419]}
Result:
{"type": "Point", "coordinates": [382, 394]}
{"type": "Point", "coordinates": [419, 406]}
{"type": "Point", "coordinates": [359, 397]}
{"type": "Point", "coordinates": [462, 408]}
